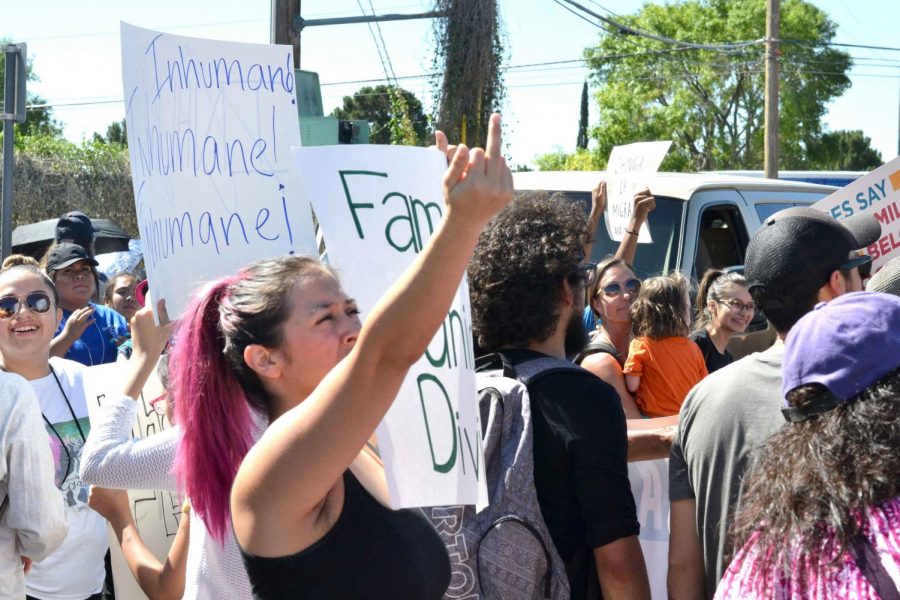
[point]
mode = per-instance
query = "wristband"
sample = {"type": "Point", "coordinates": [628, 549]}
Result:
{"type": "Point", "coordinates": [631, 232]}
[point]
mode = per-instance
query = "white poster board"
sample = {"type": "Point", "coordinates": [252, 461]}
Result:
{"type": "Point", "coordinates": [157, 513]}
{"type": "Point", "coordinates": [878, 194]}
{"type": "Point", "coordinates": [377, 206]}
{"type": "Point", "coordinates": [210, 127]}
{"type": "Point", "coordinates": [650, 486]}
{"type": "Point", "coordinates": [626, 173]}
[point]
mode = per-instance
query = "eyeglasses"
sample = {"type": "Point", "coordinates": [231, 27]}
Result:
{"type": "Point", "coordinates": [588, 272]}
{"type": "Point", "coordinates": [37, 302]}
{"type": "Point", "coordinates": [735, 304]}
{"type": "Point", "coordinates": [158, 404]}
{"type": "Point", "coordinates": [863, 263]}
{"type": "Point", "coordinates": [614, 290]}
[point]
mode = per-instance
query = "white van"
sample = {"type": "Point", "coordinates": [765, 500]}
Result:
{"type": "Point", "coordinates": [701, 221]}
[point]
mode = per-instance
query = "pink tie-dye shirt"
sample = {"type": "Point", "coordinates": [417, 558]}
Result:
{"type": "Point", "coordinates": [820, 580]}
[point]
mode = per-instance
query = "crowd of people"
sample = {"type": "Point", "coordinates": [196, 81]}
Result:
{"type": "Point", "coordinates": [783, 464]}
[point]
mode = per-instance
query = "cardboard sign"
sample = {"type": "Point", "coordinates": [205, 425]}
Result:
{"type": "Point", "coordinates": [626, 173]}
{"type": "Point", "coordinates": [210, 127]}
{"type": "Point", "coordinates": [377, 207]}
{"type": "Point", "coordinates": [878, 194]}
{"type": "Point", "coordinates": [157, 513]}
{"type": "Point", "coordinates": [650, 487]}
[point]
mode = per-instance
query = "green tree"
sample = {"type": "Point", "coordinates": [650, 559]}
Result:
{"type": "Point", "coordinates": [582, 142]}
{"type": "Point", "coordinates": [580, 160]}
{"type": "Point", "coordinates": [468, 57]}
{"type": "Point", "coordinates": [844, 150]}
{"type": "Point", "coordinates": [383, 106]}
{"type": "Point", "coordinates": [116, 133]}
{"type": "Point", "coordinates": [710, 102]}
{"type": "Point", "coordinates": [37, 120]}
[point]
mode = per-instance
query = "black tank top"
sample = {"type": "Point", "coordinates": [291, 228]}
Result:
{"type": "Point", "coordinates": [370, 552]}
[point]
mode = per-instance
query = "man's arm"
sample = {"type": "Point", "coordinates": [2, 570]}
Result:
{"type": "Point", "coordinates": [621, 569]}
{"type": "Point", "coordinates": [685, 579]}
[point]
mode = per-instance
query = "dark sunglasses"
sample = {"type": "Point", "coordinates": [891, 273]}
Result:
{"type": "Point", "coordinates": [863, 263]}
{"type": "Point", "coordinates": [613, 290]}
{"type": "Point", "coordinates": [37, 302]}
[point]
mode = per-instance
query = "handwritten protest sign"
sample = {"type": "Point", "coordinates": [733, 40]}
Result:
{"type": "Point", "coordinates": [650, 487]}
{"type": "Point", "coordinates": [210, 127]}
{"type": "Point", "coordinates": [377, 206]}
{"type": "Point", "coordinates": [878, 194]}
{"type": "Point", "coordinates": [626, 173]}
{"type": "Point", "coordinates": [157, 513]}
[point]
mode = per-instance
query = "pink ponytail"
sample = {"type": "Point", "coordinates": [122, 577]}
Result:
{"type": "Point", "coordinates": [211, 409]}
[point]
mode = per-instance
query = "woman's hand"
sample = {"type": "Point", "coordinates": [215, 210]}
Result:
{"type": "Point", "coordinates": [77, 322]}
{"type": "Point", "coordinates": [478, 183]}
{"type": "Point", "coordinates": [598, 202]}
{"type": "Point", "coordinates": [112, 505]}
{"type": "Point", "coordinates": [147, 336]}
{"type": "Point", "coordinates": [644, 203]}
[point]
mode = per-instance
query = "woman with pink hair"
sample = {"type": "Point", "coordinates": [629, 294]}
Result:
{"type": "Point", "coordinates": [280, 344]}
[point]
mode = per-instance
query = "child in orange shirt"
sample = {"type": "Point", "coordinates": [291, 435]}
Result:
{"type": "Point", "coordinates": [663, 364]}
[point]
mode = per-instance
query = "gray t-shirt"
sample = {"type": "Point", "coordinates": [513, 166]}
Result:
{"type": "Point", "coordinates": [724, 419]}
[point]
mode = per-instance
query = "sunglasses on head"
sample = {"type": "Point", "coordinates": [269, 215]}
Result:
{"type": "Point", "coordinates": [37, 302]}
{"type": "Point", "coordinates": [613, 290]}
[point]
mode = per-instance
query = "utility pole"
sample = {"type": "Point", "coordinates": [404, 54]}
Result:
{"type": "Point", "coordinates": [13, 112]}
{"type": "Point", "coordinates": [283, 30]}
{"type": "Point", "coordinates": [773, 22]}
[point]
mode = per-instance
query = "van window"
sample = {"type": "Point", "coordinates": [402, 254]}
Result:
{"type": "Point", "coordinates": [665, 229]}
{"type": "Point", "coordinates": [767, 209]}
{"type": "Point", "coordinates": [721, 239]}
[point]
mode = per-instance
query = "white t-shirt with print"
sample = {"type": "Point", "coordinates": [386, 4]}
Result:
{"type": "Point", "coordinates": [75, 570]}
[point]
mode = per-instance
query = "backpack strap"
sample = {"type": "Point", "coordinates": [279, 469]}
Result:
{"type": "Point", "coordinates": [527, 372]}
{"type": "Point", "coordinates": [866, 558]}
{"type": "Point", "coordinates": [596, 346]}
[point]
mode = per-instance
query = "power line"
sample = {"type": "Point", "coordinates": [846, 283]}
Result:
{"type": "Point", "coordinates": [628, 30]}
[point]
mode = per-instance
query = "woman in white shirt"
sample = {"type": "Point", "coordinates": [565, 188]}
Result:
{"type": "Point", "coordinates": [76, 570]}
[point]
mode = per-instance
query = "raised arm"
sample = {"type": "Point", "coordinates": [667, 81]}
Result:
{"type": "Point", "coordinates": [598, 205]}
{"type": "Point", "coordinates": [111, 457]}
{"type": "Point", "coordinates": [644, 203]}
{"type": "Point", "coordinates": [288, 473]}
{"type": "Point", "coordinates": [160, 581]}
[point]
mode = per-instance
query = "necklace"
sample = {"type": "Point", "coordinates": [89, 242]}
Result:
{"type": "Point", "coordinates": [62, 442]}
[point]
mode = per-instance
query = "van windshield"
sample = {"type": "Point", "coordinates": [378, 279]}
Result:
{"type": "Point", "coordinates": [665, 229]}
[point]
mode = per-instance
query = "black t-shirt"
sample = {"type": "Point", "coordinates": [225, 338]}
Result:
{"type": "Point", "coordinates": [370, 552]}
{"type": "Point", "coordinates": [714, 360]}
{"type": "Point", "coordinates": [580, 468]}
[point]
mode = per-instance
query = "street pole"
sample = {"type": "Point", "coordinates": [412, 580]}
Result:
{"type": "Point", "coordinates": [13, 112]}
{"type": "Point", "coordinates": [283, 30]}
{"type": "Point", "coordinates": [771, 115]}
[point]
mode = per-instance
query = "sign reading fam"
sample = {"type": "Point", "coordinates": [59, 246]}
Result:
{"type": "Point", "coordinates": [377, 206]}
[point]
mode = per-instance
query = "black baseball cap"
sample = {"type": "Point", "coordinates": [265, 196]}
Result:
{"type": "Point", "coordinates": [65, 254]}
{"type": "Point", "coordinates": [75, 227]}
{"type": "Point", "coordinates": [795, 251]}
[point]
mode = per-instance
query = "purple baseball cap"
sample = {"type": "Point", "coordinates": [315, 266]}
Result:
{"type": "Point", "coordinates": [845, 345]}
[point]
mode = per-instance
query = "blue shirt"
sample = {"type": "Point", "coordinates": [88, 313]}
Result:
{"type": "Point", "coordinates": [99, 342]}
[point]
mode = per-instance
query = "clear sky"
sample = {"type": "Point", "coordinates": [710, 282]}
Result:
{"type": "Point", "coordinates": [76, 54]}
